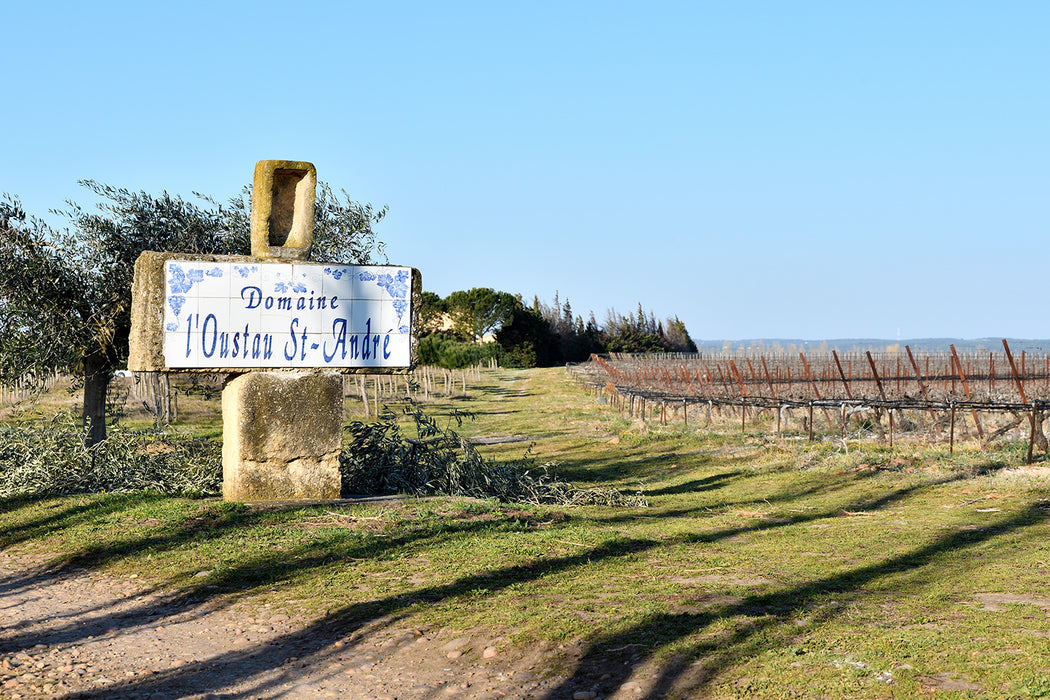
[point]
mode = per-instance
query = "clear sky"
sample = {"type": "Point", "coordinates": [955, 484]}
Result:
{"type": "Point", "coordinates": [760, 169]}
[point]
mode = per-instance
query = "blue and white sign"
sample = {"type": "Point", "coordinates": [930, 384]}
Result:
{"type": "Point", "coordinates": [226, 314]}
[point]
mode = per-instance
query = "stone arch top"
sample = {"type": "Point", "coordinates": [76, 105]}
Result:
{"type": "Point", "coordinates": [282, 225]}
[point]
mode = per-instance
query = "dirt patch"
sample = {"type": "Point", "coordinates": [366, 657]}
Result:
{"type": "Point", "coordinates": [723, 580]}
{"type": "Point", "coordinates": [944, 681]}
{"type": "Point", "coordinates": [499, 439]}
{"type": "Point", "coordinates": [345, 521]}
{"type": "Point", "coordinates": [81, 634]}
{"type": "Point", "coordinates": [89, 635]}
{"type": "Point", "coordinates": [996, 601]}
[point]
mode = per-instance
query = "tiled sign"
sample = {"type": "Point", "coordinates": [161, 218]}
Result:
{"type": "Point", "coordinates": [227, 314]}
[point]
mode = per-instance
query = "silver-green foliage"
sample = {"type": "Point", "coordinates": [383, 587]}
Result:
{"type": "Point", "coordinates": [49, 457]}
{"type": "Point", "coordinates": [379, 459]}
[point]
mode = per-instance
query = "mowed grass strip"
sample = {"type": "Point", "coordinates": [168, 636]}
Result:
{"type": "Point", "coordinates": [763, 566]}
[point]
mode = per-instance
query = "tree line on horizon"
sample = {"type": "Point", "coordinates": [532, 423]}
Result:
{"type": "Point", "coordinates": [471, 326]}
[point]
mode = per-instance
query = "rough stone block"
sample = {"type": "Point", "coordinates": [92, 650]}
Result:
{"type": "Point", "coordinates": [282, 224]}
{"type": "Point", "coordinates": [282, 433]}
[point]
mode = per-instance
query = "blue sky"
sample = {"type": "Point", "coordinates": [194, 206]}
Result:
{"type": "Point", "coordinates": [760, 169]}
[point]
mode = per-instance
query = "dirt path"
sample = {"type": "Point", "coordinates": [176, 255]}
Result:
{"type": "Point", "coordinates": [80, 634]}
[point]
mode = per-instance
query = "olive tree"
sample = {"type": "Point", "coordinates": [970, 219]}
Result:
{"type": "Point", "coordinates": [65, 294]}
{"type": "Point", "coordinates": [480, 311]}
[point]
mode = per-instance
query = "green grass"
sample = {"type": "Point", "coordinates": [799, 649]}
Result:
{"type": "Point", "coordinates": [763, 567]}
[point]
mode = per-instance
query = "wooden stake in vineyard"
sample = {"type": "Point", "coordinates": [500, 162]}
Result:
{"type": "Point", "coordinates": [966, 391]}
{"type": "Point", "coordinates": [849, 394]}
{"type": "Point", "coordinates": [922, 386]}
{"type": "Point", "coordinates": [1024, 399]}
{"type": "Point", "coordinates": [882, 393]}
{"type": "Point", "coordinates": [809, 376]}
{"type": "Point", "coordinates": [951, 438]}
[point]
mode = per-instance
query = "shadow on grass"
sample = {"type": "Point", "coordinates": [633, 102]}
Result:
{"type": "Point", "coordinates": [618, 466]}
{"type": "Point", "coordinates": [767, 615]}
{"type": "Point", "coordinates": [768, 621]}
{"type": "Point", "coordinates": [707, 483]}
{"type": "Point", "coordinates": [70, 512]}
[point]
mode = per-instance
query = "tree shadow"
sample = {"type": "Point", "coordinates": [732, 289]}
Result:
{"type": "Point", "coordinates": [768, 620]}
{"type": "Point", "coordinates": [311, 643]}
{"type": "Point", "coordinates": [227, 585]}
{"type": "Point", "coordinates": [616, 467]}
{"type": "Point", "coordinates": [68, 515]}
{"type": "Point", "coordinates": [254, 666]}
{"type": "Point", "coordinates": [707, 483]}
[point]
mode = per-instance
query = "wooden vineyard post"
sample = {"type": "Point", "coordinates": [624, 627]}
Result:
{"type": "Point", "coordinates": [738, 378]}
{"type": "Point", "coordinates": [951, 431]}
{"type": "Point", "coordinates": [772, 390]}
{"type": "Point", "coordinates": [364, 394]}
{"type": "Point", "coordinates": [811, 421]}
{"type": "Point", "coordinates": [809, 376]}
{"type": "Point", "coordinates": [845, 383]}
{"type": "Point", "coordinates": [918, 380]}
{"type": "Point", "coordinates": [769, 381]}
{"type": "Point", "coordinates": [751, 369]}
{"type": "Point", "coordinates": [704, 378]}
{"type": "Point", "coordinates": [1020, 390]}
{"type": "Point", "coordinates": [722, 379]}
{"type": "Point", "coordinates": [966, 391]}
{"type": "Point", "coordinates": [1013, 370]}
{"type": "Point", "coordinates": [882, 392]}
{"type": "Point", "coordinates": [1031, 437]}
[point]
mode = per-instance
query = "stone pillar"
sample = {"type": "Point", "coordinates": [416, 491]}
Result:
{"type": "Point", "coordinates": [281, 436]}
{"type": "Point", "coordinates": [281, 431]}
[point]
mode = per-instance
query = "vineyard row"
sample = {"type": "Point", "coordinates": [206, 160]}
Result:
{"type": "Point", "coordinates": [846, 383]}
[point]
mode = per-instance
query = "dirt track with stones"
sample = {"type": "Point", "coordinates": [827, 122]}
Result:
{"type": "Point", "coordinates": [81, 634]}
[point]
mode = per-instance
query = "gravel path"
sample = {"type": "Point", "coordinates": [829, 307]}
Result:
{"type": "Point", "coordinates": [81, 634]}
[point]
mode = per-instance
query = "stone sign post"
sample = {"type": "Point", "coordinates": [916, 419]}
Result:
{"type": "Point", "coordinates": [283, 329]}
